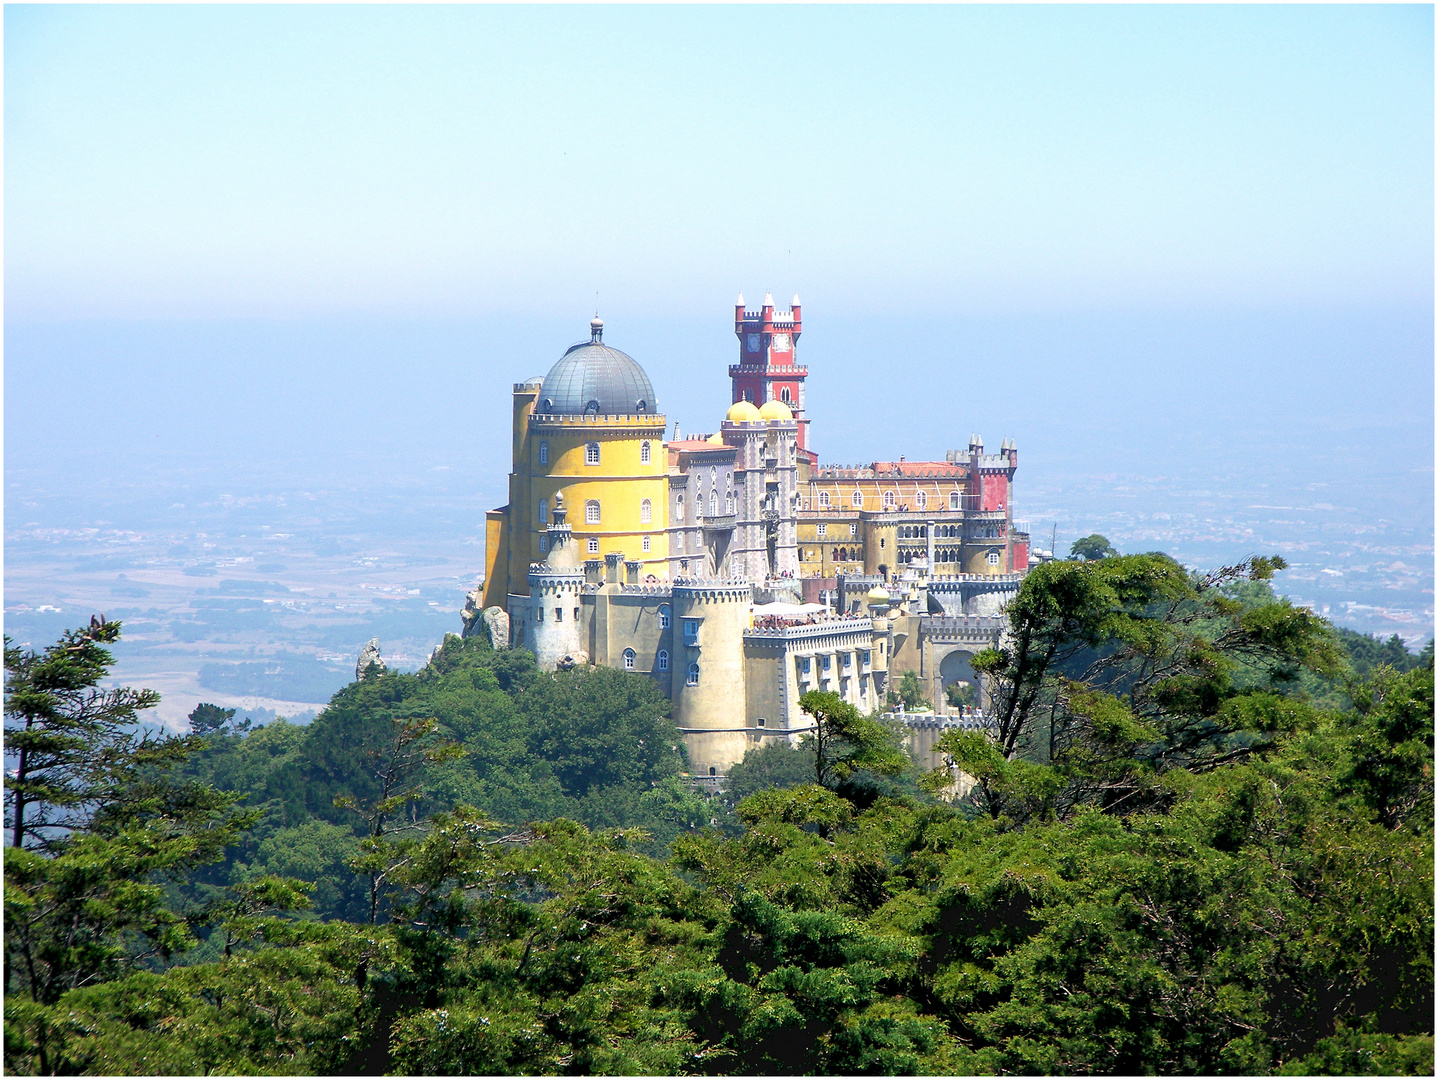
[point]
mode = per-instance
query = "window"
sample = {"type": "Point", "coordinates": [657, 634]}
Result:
{"type": "Point", "coordinates": [679, 508]}
{"type": "Point", "coordinates": [953, 500]}
{"type": "Point", "coordinates": [921, 499]}
{"type": "Point", "coordinates": [629, 659]}
{"type": "Point", "coordinates": [543, 511]}
{"type": "Point", "coordinates": [729, 503]}
{"type": "Point", "coordinates": [591, 453]}
{"type": "Point", "coordinates": [823, 500]}
{"type": "Point", "coordinates": [593, 548]}
{"type": "Point", "coordinates": [784, 395]}
{"type": "Point", "coordinates": [691, 631]}
{"type": "Point", "coordinates": [711, 769]}
{"type": "Point", "coordinates": [559, 614]}
{"type": "Point", "coordinates": [591, 511]}
{"type": "Point", "coordinates": [824, 663]}
{"type": "Point", "coordinates": [856, 500]}
{"type": "Point", "coordinates": [804, 664]}
{"type": "Point", "coordinates": [823, 529]}
{"type": "Point", "coordinates": [646, 509]}
{"type": "Point", "coordinates": [713, 504]}
{"type": "Point", "coordinates": [539, 614]}
{"type": "Point", "coordinates": [664, 616]}
{"type": "Point", "coordinates": [543, 544]}
{"type": "Point", "coordinates": [683, 565]}
{"type": "Point", "coordinates": [543, 452]}
{"type": "Point", "coordinates": [845, 659]}
{"type": "Point", "coordinates": [644, 450]}
{"type": "Point", "coordinates": [644, 543]}
{"type": "Point", "coordinates": [993, 558]}
{"type": "Point", "coordinates": [889, 500]}
{"type": "Point", "coordinates": [761, 722]}
{"type": "Point", "coordinates": [576, 614]}
{"type": "Point", "coordinates": [693, 678]}
{"type": "Point", "coordinates": [853, 531]}
{"type": "Point", "coordinates": [881, 542]}
{"type": "Point", "coordinates": [662, 660]}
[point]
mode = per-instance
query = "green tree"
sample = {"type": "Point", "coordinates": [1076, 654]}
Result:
{"type": "Point", "coordinates": [1091, 548]}
{"type": "Point", "coordinates": [844, 741]}
{"type": "Point", "coordinates": [85, 897]}
{"type": "Point", "coordinates": [1179, 676]}
{"type": "Point", "coordinates": [397, 768]}
{"type": "Point", "coordinates": [207, 719]}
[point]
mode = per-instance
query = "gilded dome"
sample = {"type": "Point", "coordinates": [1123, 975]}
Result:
{"type": "Point", "coordinates": [716, 439]}
{"type": "Point", "coordinates": [775, 410]}
{"type": "Point", "coordinates": [742, 412]}
{"type": "Point", "coordinates": [593, 378]}
{"type": "Point", "coordinates": [877, 596]}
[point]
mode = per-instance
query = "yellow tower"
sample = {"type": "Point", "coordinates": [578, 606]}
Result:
{"type": "Point", "coordinates": [590, 430]}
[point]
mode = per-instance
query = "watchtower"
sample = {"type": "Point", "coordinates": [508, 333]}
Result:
{"type": "Point", "coordinates": [767, 369]}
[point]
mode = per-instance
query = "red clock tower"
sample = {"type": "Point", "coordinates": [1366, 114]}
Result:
{"type": "Point", "coordinates": [767, 370]}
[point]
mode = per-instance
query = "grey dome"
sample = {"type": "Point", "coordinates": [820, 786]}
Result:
{"type": "Point", "coordinates": [592, 377]}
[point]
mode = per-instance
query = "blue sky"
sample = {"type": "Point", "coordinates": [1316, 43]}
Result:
{"type": "Point", "coordinates": [278, 162]}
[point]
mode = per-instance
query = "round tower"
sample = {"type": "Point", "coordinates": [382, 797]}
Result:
{"type": "Point", "coordinates": [554, 628]}
{"type": "Point", "coordinates": [710, 710]}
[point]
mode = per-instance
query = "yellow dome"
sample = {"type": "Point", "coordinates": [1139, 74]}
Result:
{"type": "Point", "coordinates": [877, 595]}
{"type": "Point", "coordinates": [742, 412]}
{"type": "Point", "coordinates": [775, 410]}
{"type": "Point", "coordinates": [716, 439]}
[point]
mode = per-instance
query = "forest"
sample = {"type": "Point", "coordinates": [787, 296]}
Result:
{"type": "Point", "coordinates": [1199, 840]}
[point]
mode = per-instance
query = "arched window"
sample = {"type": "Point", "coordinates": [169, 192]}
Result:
{"type": "Point", "coordinates": [823, 500]}
{"type": "Point", "coordinates": [729, 503]}
{"type": "Point", "coordinates": [889, 500]}
{"type": "Point", "coordinates": [591, 407]}
{"type": "Point", "coordinates": [591, 453]}
{"type": "Point", "coordinates": [641, 406]}
{"type": "Point", "coordinates": [644, 450]}
{"type": "Point", "coordinates": [693, 677]}
{"type": "Point", "coordinates": [544, 452]}
{"type": "Point", "coordinates": [591, 511]}
{"type": "Point", "coordinates": [842, 556]}
{"type": "Point", "coordinates": [711, 770]}
{"type": "Point", "coordinates": [856, 500]}
{"type": "Point", "coordinates": [646, 544]}
{"type": "Point", "coordinates": [646, 509]}
{"type": "Point", "coordinates": [629, 659]}
{"type": "Point", "coordinates": [921, 499]}
{"type": "Point", "coordinates": [784, 395]}
{"type": "Point", "coordinates": [993, 558]}
{"type": "Point", "coordinates": [543, 511]}
{"type": "Point", "coordinates": [662, 660]}
{"type": "Point", "coordinates": [679, 508]}
{"type": "Point", "coordinates": [593, 547]}
{"type": "Point", "coordinates": [713, 504]}
{"type": "Point", "coordinates": [664, 616]}
{"type": "Point", "coordinates": [953, 500]}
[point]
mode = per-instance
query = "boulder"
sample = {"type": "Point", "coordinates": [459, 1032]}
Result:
{"type": "Point", "coordinates": [368, 656]}
{"type": "Point", "coordinates": [496, 621]}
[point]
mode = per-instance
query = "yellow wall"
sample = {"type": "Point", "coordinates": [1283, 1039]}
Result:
{"type": "Point", "coordinates": [620, 483]}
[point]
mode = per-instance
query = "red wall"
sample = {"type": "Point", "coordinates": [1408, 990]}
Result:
{"type": "Point", "coordinates": [1021, 557]}
{"type": "Point", "coordinates": [995, 492]}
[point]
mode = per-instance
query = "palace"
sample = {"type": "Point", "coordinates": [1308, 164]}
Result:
{"type": "Point", "coordinates": [732, 567]}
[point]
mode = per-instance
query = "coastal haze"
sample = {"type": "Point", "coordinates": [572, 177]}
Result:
{"type": "Point", "coordinates": [259, 345]}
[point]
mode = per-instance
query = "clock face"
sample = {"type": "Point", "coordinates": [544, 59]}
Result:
{"type": "Point", "coordinates": [781, 343]}
{"type": "Point", "coordinates": [753, 343]}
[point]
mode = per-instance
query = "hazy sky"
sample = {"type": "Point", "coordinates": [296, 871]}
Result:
{"type": "Point", "coordinates": [455, 162]}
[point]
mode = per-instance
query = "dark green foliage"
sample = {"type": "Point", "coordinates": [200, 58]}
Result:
{"type": "Point", "coordinates": [775, 764]}
{"type": "Point", "coordinates": [1265, 906]}
{"type": "Point", "coordinates": [1367, 653]}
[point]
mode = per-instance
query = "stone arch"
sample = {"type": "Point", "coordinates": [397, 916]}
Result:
{"type": "Point", "coordinates": [955, 664]}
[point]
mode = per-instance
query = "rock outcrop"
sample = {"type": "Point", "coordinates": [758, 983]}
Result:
{"type": "Point", "coordinates": [496, 621]}
{"type": "Point", "coordinates": [368, 656]}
